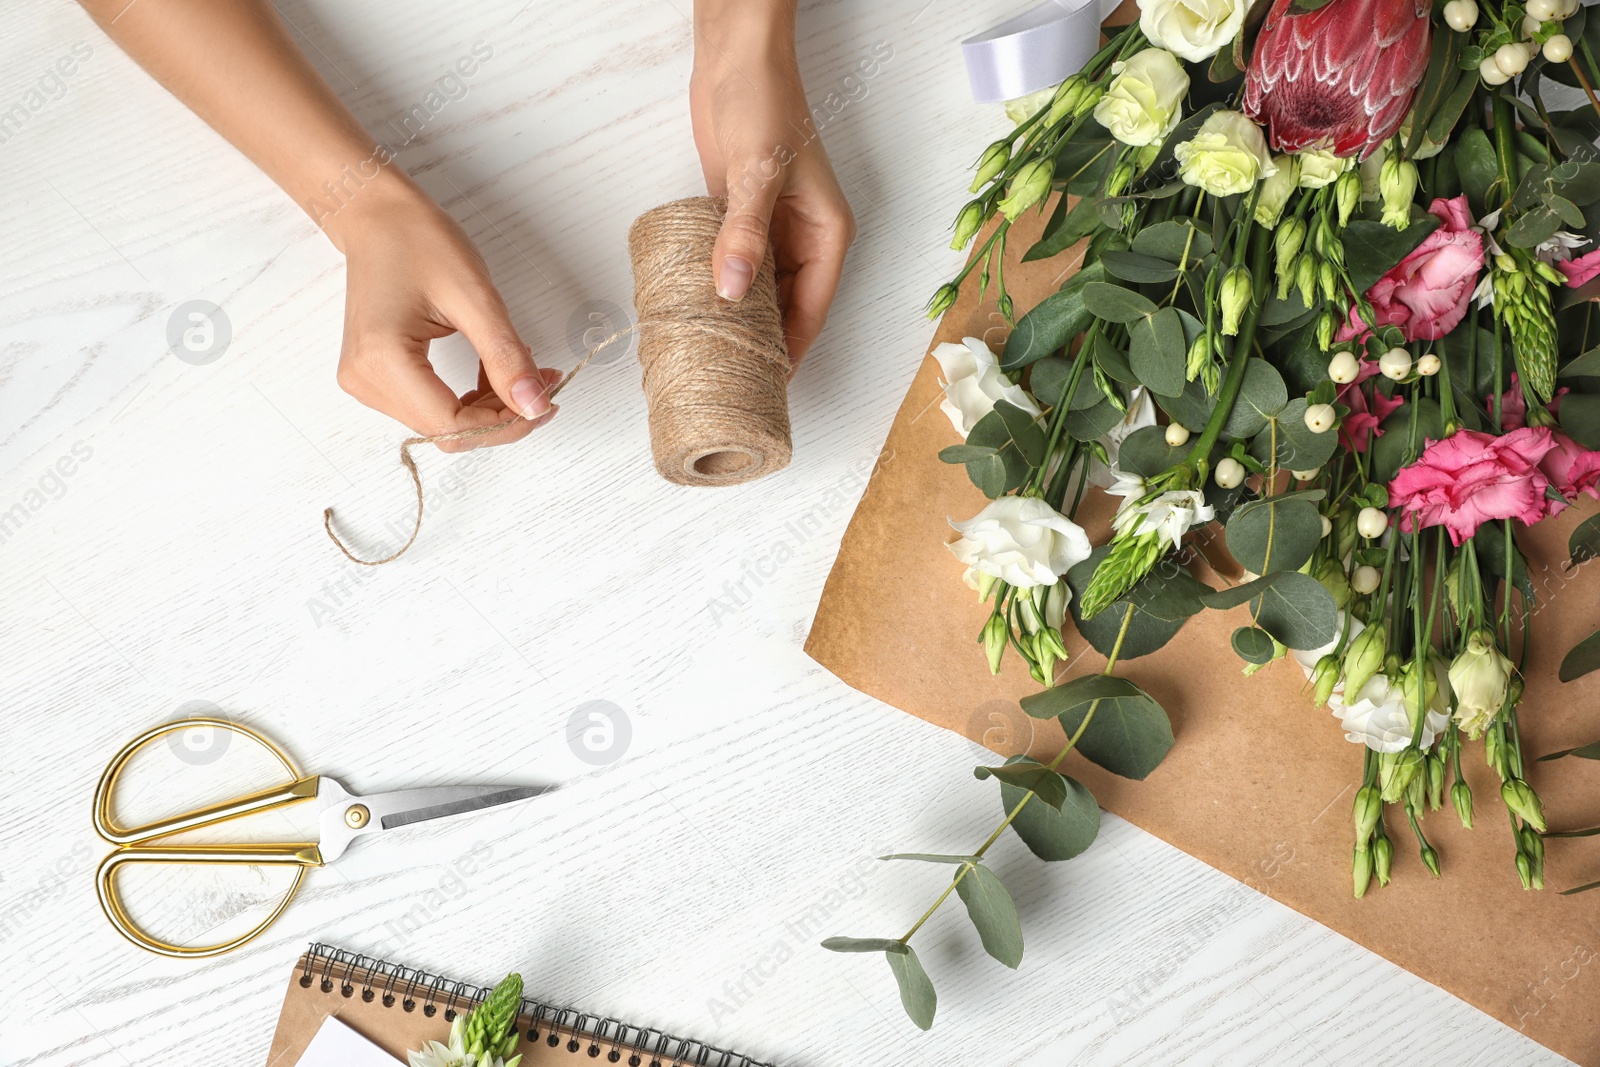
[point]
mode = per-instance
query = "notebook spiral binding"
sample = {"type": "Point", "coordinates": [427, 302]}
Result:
{"type": "Point", "coordinates": [599, 1036]}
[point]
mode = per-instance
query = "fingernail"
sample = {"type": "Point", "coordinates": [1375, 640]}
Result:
{"type": "Point", "coordinates": [735, 280]}
{"type": "Point", "coordinates": [528, 394]}
{"type": "Point", "coordinates": [547, 416]}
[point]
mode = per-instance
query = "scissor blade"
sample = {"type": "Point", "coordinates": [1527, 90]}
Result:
{"type": "Point", "coordinates": [491, 797]}
{"type": "Point", "coordinates": [346, 817]}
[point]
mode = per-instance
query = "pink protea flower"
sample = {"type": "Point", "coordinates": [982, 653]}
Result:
{"type": "Point", "coordinates": [1339, 78]}
{"type": "Point", "coordinates": [1469, 478]}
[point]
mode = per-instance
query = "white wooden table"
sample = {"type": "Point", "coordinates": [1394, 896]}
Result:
{"type": "Point", "coordinates": [161, 541]}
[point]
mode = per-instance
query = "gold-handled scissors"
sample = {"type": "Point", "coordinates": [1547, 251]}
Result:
{"type": "Point", "coordinates": [344, 817]}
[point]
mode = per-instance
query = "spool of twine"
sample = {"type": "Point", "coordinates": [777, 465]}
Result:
{"type": "Point", "coordinates": [715, 371]}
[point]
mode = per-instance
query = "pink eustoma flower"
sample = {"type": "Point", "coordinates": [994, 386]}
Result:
{"type": "Point", "coordinates": [1357, 429]}
{"type": "Point", "coordinates": [1581, 270]}
{"type": "Point", "coordinates": [1426, 294]}
{"type": "Point", "coordinates": [1572, 469]}
{"type": "Point", "coordinates": [1471, 478]}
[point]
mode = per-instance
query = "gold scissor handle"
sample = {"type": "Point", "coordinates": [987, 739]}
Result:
{"type": "Point", "coordinates": [303, 787]}
{"type": "Point", "coordinates": [297, 855]}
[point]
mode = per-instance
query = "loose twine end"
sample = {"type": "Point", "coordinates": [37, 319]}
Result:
{"type": "Point", "coordinates": [409, 462]}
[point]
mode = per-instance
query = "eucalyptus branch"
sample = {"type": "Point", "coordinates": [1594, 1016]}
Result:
{"type": "Point", "coordinates": [961, 872]}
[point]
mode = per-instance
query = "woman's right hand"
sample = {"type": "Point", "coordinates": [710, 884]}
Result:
{"type": "Point", "coordinates": [413, 276]}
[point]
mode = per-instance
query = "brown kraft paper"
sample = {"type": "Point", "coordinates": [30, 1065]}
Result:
{"type": "Point", "coordinates": [1257, 772]}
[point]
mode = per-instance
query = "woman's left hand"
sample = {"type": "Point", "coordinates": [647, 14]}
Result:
{"type": "Point", "coordinates": [760, 148]}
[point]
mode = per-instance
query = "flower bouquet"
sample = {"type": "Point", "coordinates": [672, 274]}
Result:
{"type": "Point", "coordinates": [1330, 318]}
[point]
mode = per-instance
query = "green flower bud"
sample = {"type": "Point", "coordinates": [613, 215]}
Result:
{"type": "Point", "coordinates": [1199, 356]}
{"type": "Point", "coordinates": [1326, 324]}
{"type": "Point", "coordinates": [1430, 858]}
{"type": "Point", "coordinates": [1286, 243]}
{"type": "Point", "coordinates": [943, 299]}
{"type": "Point", "coordinates": [991, 163]}
{"type": "Point", "coordinates": [1345, 533]}
{"type": "Point", "coordinates": [1368, 810]}
{"type": "Point", "coordinates": [1494, 750]}
{"type": "Point", "coordinates": [1236, 296]}
{"type": "Point", "coordinates": [1305, 278]}
{"type": "Point", "coordinates": [1361, 871]}
{"type": "Point", "coordinates": [994, 641]}
{"type": "Point", "coordinates": [1524, 870]}
{"type": "Point", "coordinates": [1420, 687]}
{"type": "Point", "coordinates": [1323, 678]}
{"type": "Point", "coordinates": [1533, 847]}
{"type": "Point", "coordinates": [1286, 275]}
{"type": "Point", "coordinates": [1029, 187]}
{"type": "Point", "coordinates": [1328, 279]}
{"type": "Point", "coordinates": [968, 222]}
{"type": "Point", "coordinates": [1548, 273]}
{"type": "Point", "coordinates": [986, 583]}
{"type": "Point", "coordinates": [1461, 797]}
{"type": "Point", "coordinates": [1523, 801]}
{"type": "Point", "coordinates": [1335, 581]}
{"type": "Point", "coordinates": [1435, 783]}
{"type": "Point", "coordinates": [1347, 192]}
{"type": "Point", "coordinates": [1051, 637]}
{"type": "Point", "coordinates": [1400, 774]}
{"type": "Point", "coordinates": [1397, 187]}
{"type": "Point", "coordinates": [1119, 178]}
{"type": "Point", "coordinates": [1363, 658]}
{"type": "Point", "coordinates": [1382, 859]}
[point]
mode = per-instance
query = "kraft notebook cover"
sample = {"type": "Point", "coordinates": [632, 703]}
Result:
{"type": "Point", "coordinates": [398, 1008]}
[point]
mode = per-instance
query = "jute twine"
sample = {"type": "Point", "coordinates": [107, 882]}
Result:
{"type": "Point", "coordinates": [715, 371]}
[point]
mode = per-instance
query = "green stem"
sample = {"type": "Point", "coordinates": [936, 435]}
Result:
{"type": "Point", "coordinates": [1242, 344]}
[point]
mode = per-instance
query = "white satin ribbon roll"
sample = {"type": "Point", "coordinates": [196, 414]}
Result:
{"type": "Point", "coordinates": [1039, 48]}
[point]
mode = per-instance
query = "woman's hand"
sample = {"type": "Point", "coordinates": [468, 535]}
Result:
{"type": "Point", "coordinates": [760, 148]}
{"type": "Point", "coordinates": [412, 276]}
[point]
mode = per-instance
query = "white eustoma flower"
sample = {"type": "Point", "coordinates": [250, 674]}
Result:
{"type": "Point", "coordinates": [1227, 155]}
{"type": "Point", "coordinates": [1171, 514]}
{"type": "Point", "coordinates": [1145, 98]}
{"type": "Point", "coordinates": [1308, 658]}
{"type": "Point", "coordinates": [973, 382]}
{"type": "Point", "coordinates": [1319, 168]}
{"type": "Point", "coordinates": [1020, 540]}
{"type": "Point", "coordinates": [1378, 718]}
{"type": "Point", "coordinates": [1194, 29]}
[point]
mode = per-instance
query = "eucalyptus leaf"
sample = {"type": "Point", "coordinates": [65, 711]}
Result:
{"type": "Point", "coordinates": [1167, 241]}
{"type": "Point", "coordinates": [929, 857]}
{"type": "Point", "coordinates": [1371, 248]}
{"type": "Point", "coordinates": [1113, 361]}
{"type": "Point", "coordinates": [863, 944]}
{"type": "Point", "coordinates": [916, 991]}
{"type": "Point", "coordinates": [1128, 736]}
{"type": "Point", "coordinates": [1580, 415]}
{"type": "Point", "coordinates": [1141, 269]}
{"type": "Point", "coordinates": [1053, 834]}
{"type": "Point", "coordinates": [1274, 534]}
{"type": "Point", "coordinates": [1584, 544]}
{"type": "Point", "coordinates": [1262, 395]}
{"type": "Point", "coordinates": [1116, 304]}
{"type": "Point", "coordinates": [1253, 644]}
{"type": "Point", "coordinates": [1294, 608]}
{"type": "Point", "coordinates": [1584, 366]}
{"type": "Point", "coordinates": [1584, 658]}
{"type": "Point", "coordinates": [1091, 423]}
{"type": "Point", "coordinates": [1048, 383]}
{"type": "Point", "coordinates": [1192, 408]}
{"type": "Point", "coordinates": [1029, 775]}
{"type": "Point", "coordinates": [1071, 222]}
{"type": "Point", "coordinates": [1145, 452]}
{"type": "Point", "coordinates": [1477, 166]}
{"type": "Point", "coordinates": [1157, 352]}
{"type": "Point", "coordinates": [993, 914]}
{"type": "Point", "coordinates": [1057, 700]}
{"type": "Point", "coordinates": [964, 453]}
{"type": "Point", "coordinates": [1052, 323]}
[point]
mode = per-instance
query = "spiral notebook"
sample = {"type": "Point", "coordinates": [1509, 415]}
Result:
{"type": "Point", "coordinates": [398, 1008]}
